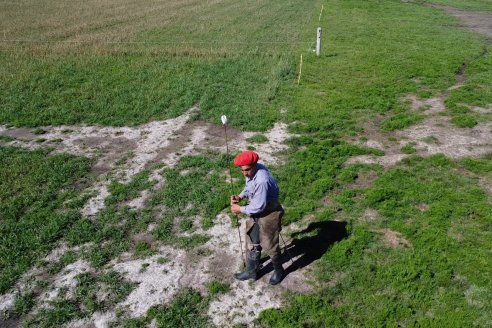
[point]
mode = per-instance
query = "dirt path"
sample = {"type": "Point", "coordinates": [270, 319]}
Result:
{"type": "Point", "coordinates": [476, 21]}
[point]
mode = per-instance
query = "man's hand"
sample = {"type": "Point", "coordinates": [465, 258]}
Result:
{"type": "Point", "coordinates": [235, 199]}
{"type": "Point", "coordinates": [235, 208]}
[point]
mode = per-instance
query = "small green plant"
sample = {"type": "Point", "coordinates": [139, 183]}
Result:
{"type": "Point", "coordinates": [258, 139]}
{"type": "Point", "coordinates": [23, 304]}
{"type": "Point", "coordinates": [400, 121]}
{"type": "Point", "coordinates": [143, 248]}
{"type": "Point", "coordinates": [162, 260]}
{"type": "Point", "coordinates": [39, 131]}
{"type": "Point", "coordinates": [464, 121]}
{"type": "Point", "coordinates": [408, 149]}
{"type": "Point", "coordinates": [431, 140]}
{"type": "Point", "coordinates": [186, 224]}
{"type": "Point", "coordinates": [217, 287]}
{"type": "Point", "coordinates": [144, 267]}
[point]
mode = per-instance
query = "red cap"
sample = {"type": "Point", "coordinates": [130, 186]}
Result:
{"type": "Point", "coordinates": [246, 158]}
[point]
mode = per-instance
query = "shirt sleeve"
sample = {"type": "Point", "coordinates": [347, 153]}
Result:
{"type": "Point", "coordinates": [243, 194]}
{"type": "Point", "coordinates": [258, 203]}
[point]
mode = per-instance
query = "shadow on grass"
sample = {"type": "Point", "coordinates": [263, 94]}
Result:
{"type": "Point", "coordinates": [308, 245]}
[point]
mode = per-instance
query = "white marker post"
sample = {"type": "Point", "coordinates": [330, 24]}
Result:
{"type": "Point", "coordinates": [318, 42]}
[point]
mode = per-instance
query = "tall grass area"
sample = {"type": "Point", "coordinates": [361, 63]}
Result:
{"type": "Point", "coordinates": [38, 204]}
{"type": "Point", "coordinates": [120, 90]}
{"type": "Point", "coordinates": [101, 65]}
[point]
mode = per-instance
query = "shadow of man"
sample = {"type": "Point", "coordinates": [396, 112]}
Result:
{"type": "Point", "coordinates": [309, 245]}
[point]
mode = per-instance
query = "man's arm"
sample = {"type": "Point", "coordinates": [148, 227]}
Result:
{"type": "Point", "coordinates": [258, 203]}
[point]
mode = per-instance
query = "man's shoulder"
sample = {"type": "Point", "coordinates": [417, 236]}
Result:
{"type": "Point", "coordinates": [263, 174]}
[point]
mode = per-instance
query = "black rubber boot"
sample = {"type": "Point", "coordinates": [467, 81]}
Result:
{"type": "Point", "coordinates": [278, 272]}
{"type": "Point", "coordinates": [252, 267]}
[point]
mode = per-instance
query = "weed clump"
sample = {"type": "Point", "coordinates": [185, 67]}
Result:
{"type": "Point", "coordinates": [217, 287]}
{"type": "Point", "coordinates": [187, 309]}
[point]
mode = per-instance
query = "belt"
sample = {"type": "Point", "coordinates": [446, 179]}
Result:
{"type": "Point", "coordinates": [271, 207]}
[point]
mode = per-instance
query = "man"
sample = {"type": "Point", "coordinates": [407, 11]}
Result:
{"type": "Point", "coordinates": [265, 214]}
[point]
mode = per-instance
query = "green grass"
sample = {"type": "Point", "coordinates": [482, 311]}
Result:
{"type": "Point", "coordinates": [202, 190]}
{"type": "Point", "coordinates": [441, 280]}
{"type": "Point", "coordinates": [374, 53]}
{"type": "Point", "coordinates": [61, 312]}
{"type": "Point", "coordinates": [126, 90]}
{"type": "Point", "coordinates": [217, 287]}
{"type": "Point", "coordinates": [121, 192]}
{"type": "Point", "coordinates": [232, 61]}
{"type": "Point", "coordinates": [260, 138]}
{"type": "Point", "coordinates": [187, 309]}
{"type": "Point", "coordinates": [400, 121]}
{"type": "Point", "coordinates": [85, 300]}
{"type": "Point", "coordinates": [476, 92]}
{"type": "Point", "coordinates": [36, 189]}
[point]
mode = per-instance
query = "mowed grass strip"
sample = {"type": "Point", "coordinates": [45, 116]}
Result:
{"type": "Point", "coordinates": [38, 203]}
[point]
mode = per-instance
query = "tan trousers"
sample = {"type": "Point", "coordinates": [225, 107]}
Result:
{"type": "Point", "coordinates": [270, 226]}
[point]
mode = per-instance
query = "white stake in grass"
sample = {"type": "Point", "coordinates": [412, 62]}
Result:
{"type": "Point", "coordinates": [318, 41]}
{"type": "Point", "coordinates": [223, 118]}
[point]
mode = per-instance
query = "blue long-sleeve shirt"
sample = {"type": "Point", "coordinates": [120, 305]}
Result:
{"type": "Point", "coordinates": [260, 190]}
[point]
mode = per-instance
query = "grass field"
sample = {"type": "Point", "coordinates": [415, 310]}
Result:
{"type": "Point", "coordinates": [417, 247]}
{"type": "Point", "coordinates": [228, 57]}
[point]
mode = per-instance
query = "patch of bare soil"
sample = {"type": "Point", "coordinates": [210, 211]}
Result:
{"type": "Point", "coordinates": [434, 135]}
{"type": "Point", "coordinates": [160, 280]}
{"type": "Point", "coordinates": [370, 215]}
{"type": "Point", "coordinates": [476, 21]}
{"type": "Point", "coordinates": [394, 239]}
{"type": "Point", "coordinates": [122, 152]}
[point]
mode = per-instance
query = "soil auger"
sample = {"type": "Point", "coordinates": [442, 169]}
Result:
{"type": "Point", "coordinates": [223, 118]}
